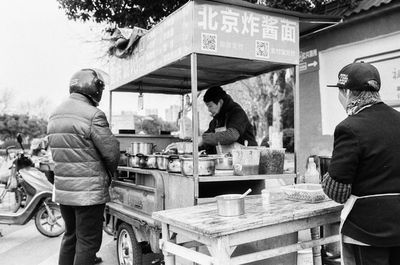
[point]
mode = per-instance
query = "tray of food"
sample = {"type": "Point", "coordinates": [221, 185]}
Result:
{"type": "Point", "coordinates": [305, 192]}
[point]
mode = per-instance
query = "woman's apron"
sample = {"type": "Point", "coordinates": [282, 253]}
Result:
{"type": "Point", "coordinates": [347, 255]}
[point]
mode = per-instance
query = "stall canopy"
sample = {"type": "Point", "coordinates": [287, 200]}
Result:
{"type": "Point", "coordinates": [233, 40]}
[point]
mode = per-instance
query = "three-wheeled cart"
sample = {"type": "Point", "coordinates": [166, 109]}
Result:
{"type": "Point", "coordinates": [204, 43]}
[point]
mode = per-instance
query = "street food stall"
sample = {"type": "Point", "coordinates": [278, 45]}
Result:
{"type": "Point", "coordinates": [204, 43]}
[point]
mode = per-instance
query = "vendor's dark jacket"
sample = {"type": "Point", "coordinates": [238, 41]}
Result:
{"type": "Point", "coordinates": [367, 155]}
{"type": "Point", "coordinates": [84, 150]}
{"type": "Point", "coordinates": [233, 116]}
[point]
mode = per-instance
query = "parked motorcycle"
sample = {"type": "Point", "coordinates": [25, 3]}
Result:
{"type": "Point", "coordinates": [33, 197]}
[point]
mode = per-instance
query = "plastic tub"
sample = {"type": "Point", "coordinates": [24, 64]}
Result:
{"type": "Point", "coordinates": [305, 192]}
{"type": "Point", "coordinates": [246, 161]}
{"type": "Point", "coordinates": [272, 160]}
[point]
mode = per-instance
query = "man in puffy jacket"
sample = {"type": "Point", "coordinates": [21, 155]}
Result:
{"type": "Point", "coordinates": [86, 154]}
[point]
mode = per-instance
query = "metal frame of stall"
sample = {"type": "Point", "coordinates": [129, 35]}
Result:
{"type": "Point", "coordinates": [217, 32]}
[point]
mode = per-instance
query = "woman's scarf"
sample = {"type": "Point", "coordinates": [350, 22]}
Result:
{"type": "Point", "coordinates": [364, 100]}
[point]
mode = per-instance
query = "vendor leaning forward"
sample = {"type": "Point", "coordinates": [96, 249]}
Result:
{"type": "Point", "coordinates": [229, 124]}
{"type": "Point", "coordinates": [365, 170]}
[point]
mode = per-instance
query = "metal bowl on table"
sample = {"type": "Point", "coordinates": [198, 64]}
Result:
{"type": "Point", "coordinates": [230, 205]}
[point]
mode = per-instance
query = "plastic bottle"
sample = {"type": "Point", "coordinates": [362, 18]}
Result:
{"type": "Point", "coordinates": [312, 174]}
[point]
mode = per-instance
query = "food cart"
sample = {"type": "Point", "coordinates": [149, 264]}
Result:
{"type": "Point", "coordinates": [203, 43]}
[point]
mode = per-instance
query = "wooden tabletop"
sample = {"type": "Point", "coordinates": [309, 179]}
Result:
{"type": "Point", "coordinates": [203, 219]}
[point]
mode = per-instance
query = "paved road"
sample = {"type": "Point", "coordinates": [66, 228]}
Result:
{"type": "Point", "coordinates": [24, 245]}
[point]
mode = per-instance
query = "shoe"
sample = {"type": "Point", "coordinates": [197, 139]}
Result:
{"type": "Point", "coordinates": [98, 260]}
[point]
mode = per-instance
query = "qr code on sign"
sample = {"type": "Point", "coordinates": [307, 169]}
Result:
{"type": "Point", "coordinates": [209, 42]}
{"type": "Point", "coordinates": [262, 49]}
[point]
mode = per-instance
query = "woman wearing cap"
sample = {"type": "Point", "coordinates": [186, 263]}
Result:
{"type": "Point", "coordinates": [364, 172]}
{"type": "Point", "coordinates": [230, 123]}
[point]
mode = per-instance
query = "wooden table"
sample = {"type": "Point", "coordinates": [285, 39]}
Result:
{"type": "Point", "coordinates": [221, 235]}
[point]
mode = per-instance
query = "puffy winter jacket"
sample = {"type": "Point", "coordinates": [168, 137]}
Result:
{"type": "Point", "coordinates": [84, 150]}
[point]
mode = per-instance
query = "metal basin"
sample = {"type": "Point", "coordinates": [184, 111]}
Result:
{"type": "Point", "coordinates": [162, 161]}
{"type": "Point", "coordinates": [206, 166]}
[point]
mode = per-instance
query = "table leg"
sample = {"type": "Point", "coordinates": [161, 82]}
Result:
{"type": "Point", "coordinates": [317, 259]}
{"type": "Point", "coordinates": [221, 251]}
{"type": "Point", "coordinates": [169, 258]}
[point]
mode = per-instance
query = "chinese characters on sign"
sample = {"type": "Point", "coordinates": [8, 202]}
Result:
{"type": "Point", "coordinates": [231, 30]}
{"type": "Point", "coordinates": [247, 23]}
{"type": "Point", "coordinates": [309, 60]}
{"type": "Point", "coordinates": [396, 78]}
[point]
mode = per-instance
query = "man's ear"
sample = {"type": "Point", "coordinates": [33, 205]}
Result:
{"type": "Point", "coordinates": [221, 101]}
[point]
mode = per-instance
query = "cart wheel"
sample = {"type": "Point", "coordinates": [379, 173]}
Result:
{"type": "Point", "coordinates": [50, 224]}
{"type": "Point", "coordinates": [128, 249]}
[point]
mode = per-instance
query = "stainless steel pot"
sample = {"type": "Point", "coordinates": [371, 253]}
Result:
{"type": "Point", "coordinates": [206, 166]}
{"type": "Point", "coordinates": [230, 205]}
{"type": "Point", "coordinates": [135, 148]}
{"type": "Point", "coordinates": [174, 164]}
{"type": "Point", "coordinates": [142, 148]}
{"type": "Point", "coordinates": [162, 161]}
{"type": "Point", "coordinates": [133, 160]}
{"type": "Point", "coordinates": [146, 148]}
{"type": "Point", "coordinates": [151, 161]}
{"type": "Point", "coordinates": [142, 160]}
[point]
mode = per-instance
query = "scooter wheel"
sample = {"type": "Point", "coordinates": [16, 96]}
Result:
{"type": "Point", "coordinates": [128, 249]}
{"type": "Point", "coordinates": [49, 224]}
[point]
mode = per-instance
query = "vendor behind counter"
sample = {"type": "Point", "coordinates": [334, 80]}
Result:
{"type": "Point", "coordinates": [229, 125]}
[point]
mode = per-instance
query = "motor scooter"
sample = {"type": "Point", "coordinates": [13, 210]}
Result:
{"type": "Point", "coordinates": [33, 197]}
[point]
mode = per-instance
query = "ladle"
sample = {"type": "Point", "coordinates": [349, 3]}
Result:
{"type": "Point", "coordinates": [245, 194]}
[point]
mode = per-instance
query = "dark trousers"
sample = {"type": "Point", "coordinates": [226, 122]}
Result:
{"type": "Point", "coordinates": [83, 234]}
{"type": "Point", "coordinates": [368, 255]}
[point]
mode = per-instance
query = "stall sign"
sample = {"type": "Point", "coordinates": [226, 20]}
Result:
{"type": "Point", "coordinates": [211, 28]}
{"type": "Point", "coordinates": [165, 43]}
{"type": "Point", "coordinates": [241, 32]}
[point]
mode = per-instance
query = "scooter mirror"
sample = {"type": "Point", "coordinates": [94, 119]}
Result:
{"type": "Point", "coordinates": [19, 139]}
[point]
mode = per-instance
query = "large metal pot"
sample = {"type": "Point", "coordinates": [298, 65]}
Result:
{"type": "Point", "coordinates": [230, 205]}
{"type": "Point", "coordinates": [142, 148]}
{"type": "Point", "coordinates": [174, 164]}
{"type": "Point", "coordinates": [206, 165]}
{"type": "Point", "coordinates": [162, 161]}
{"type": "Point", "coordinates": [146, 148]}
{"type": "Point", "coordinates": [135, 147]}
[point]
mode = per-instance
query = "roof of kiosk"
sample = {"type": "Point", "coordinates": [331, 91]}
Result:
{"type": "Point", "coordinates": [233, 40]}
